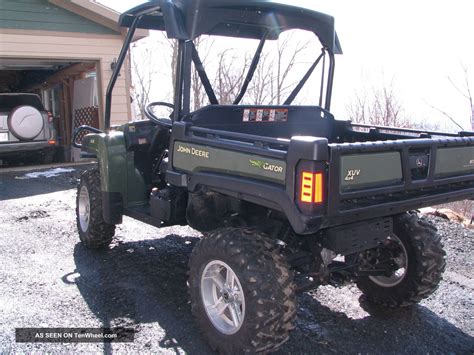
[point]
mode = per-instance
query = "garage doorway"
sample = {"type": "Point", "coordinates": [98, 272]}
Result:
{"type": "Point", "coordinates": [68, 89]}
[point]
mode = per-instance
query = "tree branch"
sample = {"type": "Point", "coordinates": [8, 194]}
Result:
{"type": "Point", "coordinates": [446, 115]}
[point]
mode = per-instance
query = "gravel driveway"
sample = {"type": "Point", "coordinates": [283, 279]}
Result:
{"type": "Point", "coordinates": [49, 280]}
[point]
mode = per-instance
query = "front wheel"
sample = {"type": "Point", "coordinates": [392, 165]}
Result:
{"type": "Point", "coordinates": [94, 232]}
{"type": "Point", "coordinates": [417, 258]}
{"type": "Point", "coordinates": [241, 289]}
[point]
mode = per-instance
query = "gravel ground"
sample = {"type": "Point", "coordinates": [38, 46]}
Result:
{"type": "Point", "coordinates": [49, 280]}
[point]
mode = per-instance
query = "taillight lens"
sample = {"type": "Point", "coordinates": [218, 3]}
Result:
{"type": "Point", "coordinates": [307, 187]}
{"type": "Point", "coordinates": [319, 188]}
{"type": "Point", "coordinates": [50, 117]}
{"type": "Point", "coordinates": [311, 187]}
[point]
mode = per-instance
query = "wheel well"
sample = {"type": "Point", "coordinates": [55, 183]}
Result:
{"type": "Point", "coordinates": [209, 210]}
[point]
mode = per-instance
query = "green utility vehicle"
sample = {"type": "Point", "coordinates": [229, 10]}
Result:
{"type": "Point", "coordinates": [287, 197]}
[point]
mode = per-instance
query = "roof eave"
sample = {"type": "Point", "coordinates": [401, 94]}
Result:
{"type": "Point", "coordinates": [98, 13]}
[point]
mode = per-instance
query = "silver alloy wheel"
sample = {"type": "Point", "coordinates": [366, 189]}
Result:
{"type": "Point", "coordinates": [399, 274]}
{"type": "Point", "coordinates": [223, 297]}
{"type": "Point", "coordinates": [84, 208]}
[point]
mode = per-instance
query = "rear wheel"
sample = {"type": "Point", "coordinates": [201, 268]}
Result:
{"type": "Point", "coordinates": [94, 232]}
{"type": "Point", "coordinates": [242, 294]}
{"type": "Point", "coordinates": [47, 157]}
{"type": "Point", "coordinates": [418, 261]}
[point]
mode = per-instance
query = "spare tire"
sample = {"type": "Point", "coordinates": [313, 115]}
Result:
{"type": "Point", "coordinates": [25, 122]}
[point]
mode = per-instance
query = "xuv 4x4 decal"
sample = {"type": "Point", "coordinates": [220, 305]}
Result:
{"type": "Point", "coordinates": [351, 174]}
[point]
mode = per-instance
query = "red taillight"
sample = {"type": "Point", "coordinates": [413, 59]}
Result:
{"type": "Point", "coordinates": [50, 117]}
{"type": "Point", "coordinates": [307, 183]}
{"type": "Point", "coordinates": [312, 187]}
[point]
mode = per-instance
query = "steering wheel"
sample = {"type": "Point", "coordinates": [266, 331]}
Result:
{"type": "Point", "coordinates": [160, 121]}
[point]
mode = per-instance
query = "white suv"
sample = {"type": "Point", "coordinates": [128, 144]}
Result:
{"type": "Point", "coordinates": [26, 128]}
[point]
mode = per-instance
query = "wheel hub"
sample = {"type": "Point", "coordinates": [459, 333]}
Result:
{"type": "Point", "coordinates": [84, 208]}
{"type": "Point", "coordinates": [398, 257]}
{"type": "Point", "coordinates": [222, 296]}
{"type": "Point", "coordinates": [228, 295]}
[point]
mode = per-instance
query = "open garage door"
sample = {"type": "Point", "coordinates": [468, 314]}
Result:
{"type": "Point", "coordinates": [68, 90]}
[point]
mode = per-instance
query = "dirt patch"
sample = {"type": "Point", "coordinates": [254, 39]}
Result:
{"type": "Point", "coordinates": [33, 215]}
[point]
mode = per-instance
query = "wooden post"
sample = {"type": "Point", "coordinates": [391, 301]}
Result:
{"type": "Point", "coordinates": [63, 116]}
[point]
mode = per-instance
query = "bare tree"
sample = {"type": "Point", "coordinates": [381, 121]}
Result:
{"type": "Point", "coordinates": [465, 90]}
{"type": "Point", "coordinates": [227, 80]}
{"type": "Point", "coordinates": [230, 76]}
{"type": "Point", "coordinates": [465, 207]}
{"type": "Point", "coordinates": [379, 107]}
{"type": "Point", "coordinates": [260, 90]}
{"type": "Point", "coordinates": [142, 70]}
{"type": "Point", "coordinates": [284, 64]}
{"type": "Point", "coordinates": [174, 60]}
{"type": "Point", "coordinates": [270, 84]}
{"type": "Point", "coordinates": [203, 45]}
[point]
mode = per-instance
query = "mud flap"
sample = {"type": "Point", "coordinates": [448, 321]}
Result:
{"type": "Point", "coordinates": [357, 237]}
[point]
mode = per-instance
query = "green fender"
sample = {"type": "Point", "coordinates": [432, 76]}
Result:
{"type": "Point", "coordinates": [117, 170]}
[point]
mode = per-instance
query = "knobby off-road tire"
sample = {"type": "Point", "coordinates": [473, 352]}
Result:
{"type": "Point", "coordinates": [94, 232]}
{"type": "Point", "coordinates": [425, 264]}
{"type": "Point", "coordinates": [263, 275]}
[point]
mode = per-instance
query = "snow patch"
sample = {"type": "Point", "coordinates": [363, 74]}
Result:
{"type": "Point", "coordinates": [47, 173]}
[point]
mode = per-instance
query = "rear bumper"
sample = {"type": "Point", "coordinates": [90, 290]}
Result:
{"type": "Point", "coordinates": [390, 208]}
{"type": "Point", "coordinates": [12, 149]}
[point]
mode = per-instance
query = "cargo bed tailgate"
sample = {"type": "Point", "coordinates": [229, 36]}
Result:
{"type": "Point", "coordinates": [382, 178]}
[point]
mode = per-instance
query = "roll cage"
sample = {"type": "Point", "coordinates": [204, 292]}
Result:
{"type": "Point", "coordinates": [185, 20]}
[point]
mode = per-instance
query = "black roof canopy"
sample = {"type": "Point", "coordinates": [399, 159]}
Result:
{"type": "Point", "coordinates": [188, 19]}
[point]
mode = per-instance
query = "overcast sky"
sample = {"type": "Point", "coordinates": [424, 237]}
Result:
{"type": "Point", "coordinates": [416, 44]}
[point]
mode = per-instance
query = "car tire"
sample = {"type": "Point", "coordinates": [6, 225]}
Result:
{"type": "Point", "coordinates": [424, 267]}
{"type": "Point", "coordinates": [94, 232]}
{"type": "Point", "coordinates": [261, 291]}
{"type": "Point", "coordinates": [48, 158]}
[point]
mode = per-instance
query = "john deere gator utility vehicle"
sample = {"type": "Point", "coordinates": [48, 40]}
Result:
{"type": "Point", "coordinates": [287, 197]}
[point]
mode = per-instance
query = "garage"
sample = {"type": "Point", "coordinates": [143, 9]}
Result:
{"type": "Point", "coordinates": [65, 53]}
